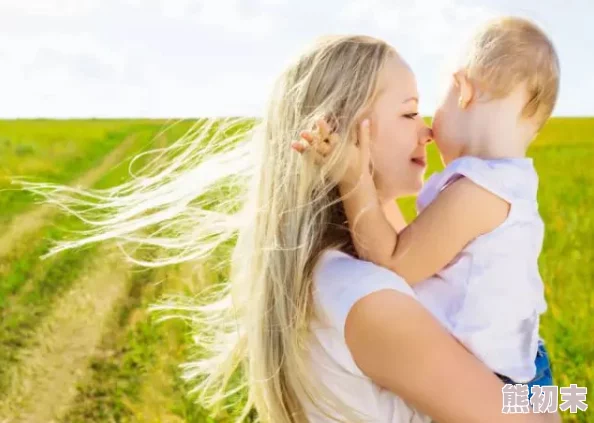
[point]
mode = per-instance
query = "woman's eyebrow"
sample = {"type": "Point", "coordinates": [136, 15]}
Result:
{"type": "Point", "coordinates": [411, 99]}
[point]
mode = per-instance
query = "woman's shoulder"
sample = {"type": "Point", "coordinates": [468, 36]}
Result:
{"type": "Point", "coordinates": [336, 268]}
{"type": "Point", "coordinates": [340, 280]}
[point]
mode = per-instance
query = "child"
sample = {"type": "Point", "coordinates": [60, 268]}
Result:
{"type": "Point", "coordinates": [472, 253]}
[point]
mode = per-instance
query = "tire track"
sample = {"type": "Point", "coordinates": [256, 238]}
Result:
{"type": "Point", "coordinates": [44, 382]}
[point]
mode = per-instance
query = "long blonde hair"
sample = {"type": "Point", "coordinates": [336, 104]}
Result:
{"type": "Point", "coordinates": [277, 210]}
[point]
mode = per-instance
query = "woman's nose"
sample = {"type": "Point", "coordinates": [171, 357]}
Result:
{"type": "Point", "coordinates": [425, 136]}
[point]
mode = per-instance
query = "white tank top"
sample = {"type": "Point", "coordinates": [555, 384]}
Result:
{"type": "Point", "coordinates": [339, 282]}
{"type": "Point", "coordinates": [491, 295]}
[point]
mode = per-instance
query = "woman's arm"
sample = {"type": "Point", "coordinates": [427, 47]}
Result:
{"type": "Point", "coordinates": [401, 347]}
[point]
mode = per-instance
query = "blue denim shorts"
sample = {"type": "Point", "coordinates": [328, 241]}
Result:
{"type": "Point", "coordinates": [544, 373]}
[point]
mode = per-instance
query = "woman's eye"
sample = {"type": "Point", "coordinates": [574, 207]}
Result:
{"type": "Point", "coordinates": [411, 115]}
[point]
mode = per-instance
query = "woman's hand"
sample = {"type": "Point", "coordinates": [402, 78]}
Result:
{"type": "Point", "coordinates": [322, 142]}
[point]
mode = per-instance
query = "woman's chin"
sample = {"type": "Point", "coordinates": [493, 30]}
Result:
{"type": "Point", "coordinates": [410, 190]}
{"type": "Point", "coordinates": [418, 186]}
{"type": "Point", "coordinates": [417, 182]}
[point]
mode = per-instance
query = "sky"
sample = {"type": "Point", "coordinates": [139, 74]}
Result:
{"type": "Point", "coordinates": [198, 58]}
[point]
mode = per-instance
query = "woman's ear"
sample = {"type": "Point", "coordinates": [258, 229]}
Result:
{"type": "Point", "coordinates": [465, 89]}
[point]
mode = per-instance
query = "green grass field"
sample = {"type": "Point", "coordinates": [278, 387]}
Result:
{"type": "Point", "coordinates": [77, 343]}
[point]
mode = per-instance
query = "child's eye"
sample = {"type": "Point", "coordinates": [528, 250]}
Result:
{"type": "Point", "coordinates": [411, 115]}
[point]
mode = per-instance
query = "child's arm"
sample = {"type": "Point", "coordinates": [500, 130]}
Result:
{"type": "Point", "coordinates": [374, 236]}
{"type": "Point", "coordinates": [394, 216]}
{"type": "Point", "coordinates": [462, 212]}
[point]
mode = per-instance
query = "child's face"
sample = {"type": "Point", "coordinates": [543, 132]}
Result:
{"type": "Point", "coordinates": [467, 119]}
{"type": "Point", "coordinates": [448, 124]}
{"type": "Point", "coordinates": [399, 134]}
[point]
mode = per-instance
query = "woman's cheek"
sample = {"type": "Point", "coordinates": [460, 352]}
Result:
{"type": "Point", "coordinates": [390, 175]}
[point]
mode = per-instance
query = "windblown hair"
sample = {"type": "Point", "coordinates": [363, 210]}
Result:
{"type": "Point", "coordinates": [229, 184]}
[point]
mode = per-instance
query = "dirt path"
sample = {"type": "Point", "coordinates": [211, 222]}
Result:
{"type": "Point", "coordinates": [28, 223]}
{"type": "Point", "coordinates": [43, 385]}
{"type": "Point", "coordinates": [44, 382]}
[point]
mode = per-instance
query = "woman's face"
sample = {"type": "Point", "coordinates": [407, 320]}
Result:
{"type": "Point", "coordinates": [398, 133]}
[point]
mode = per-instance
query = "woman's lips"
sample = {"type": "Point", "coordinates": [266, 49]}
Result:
{"type": "Point", "coordinates": [419, 161]}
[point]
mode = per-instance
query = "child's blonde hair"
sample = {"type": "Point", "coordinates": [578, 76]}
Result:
{"type": "Point", "coordinates": [284, 210]}
{"type": "Point", "coordinates": [510, 51]}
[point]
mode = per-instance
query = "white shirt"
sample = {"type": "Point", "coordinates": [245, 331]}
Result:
{"type": "Point", "coordinates": [491, 295]}
{"type": "Point", "coordinates": [339, 282]}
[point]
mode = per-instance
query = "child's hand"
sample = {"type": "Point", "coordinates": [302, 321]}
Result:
{"type": "Point", "coordinates": [322, 142]}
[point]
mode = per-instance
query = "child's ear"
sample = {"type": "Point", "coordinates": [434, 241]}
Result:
{"type": "Point", "coordinates": [465, 89]}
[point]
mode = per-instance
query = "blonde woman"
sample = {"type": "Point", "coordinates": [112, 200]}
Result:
{"type": "Point", "coordinates": [311, 333]}
{"type": "Point", "coordinates": [473, 250]}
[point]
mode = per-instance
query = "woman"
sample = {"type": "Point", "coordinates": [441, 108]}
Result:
{"type": "Point", "coordinates": [313, 333]}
